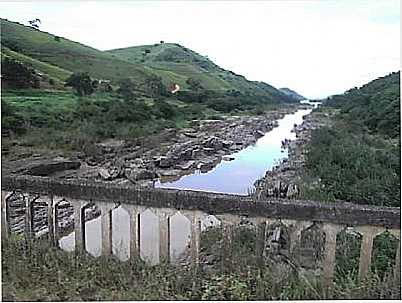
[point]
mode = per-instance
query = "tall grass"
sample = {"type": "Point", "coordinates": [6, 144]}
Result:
{"type": "Point", "coordinates": [35, 271]}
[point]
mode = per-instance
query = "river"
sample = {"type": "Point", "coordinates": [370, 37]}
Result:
{"type": "Point", "coordinates": [235, 177]}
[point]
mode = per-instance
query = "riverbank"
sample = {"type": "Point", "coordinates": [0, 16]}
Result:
{"type": "Point", "coordinates": [285, 178]}
{"type": "Point", "coordinates": [166, 156]}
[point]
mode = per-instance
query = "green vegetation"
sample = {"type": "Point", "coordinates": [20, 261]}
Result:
{"type": "Point", "coordinates": [66, 54]}
{"type": "Point", "coordinates": [17, 75]}
{"type": "Point", "coordinates": [82, 83]}
{"type": "Point", "coordinates": [358, 158]}
{"type": "Point", "coordinates": [195, 72]}
{"type": "Point", "coordinates": [55, 275]}
{"type": "Point", "coordinates": [118, 96]}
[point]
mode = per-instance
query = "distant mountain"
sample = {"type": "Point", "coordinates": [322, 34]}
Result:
{"type": "Point", "coordinates": [292, 94]}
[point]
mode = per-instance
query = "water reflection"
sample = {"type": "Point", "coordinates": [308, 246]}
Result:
{"type": "Point", "coordinates": [238, 176]}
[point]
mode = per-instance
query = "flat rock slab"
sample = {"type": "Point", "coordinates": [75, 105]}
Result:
{"type": "Point", "coordinates": [47, 168]}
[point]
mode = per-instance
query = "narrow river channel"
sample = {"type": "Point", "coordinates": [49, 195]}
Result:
{"type": "Point", "coordinates": [236, 177]}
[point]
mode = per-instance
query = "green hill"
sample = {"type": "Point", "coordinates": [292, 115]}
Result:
{"type": "Point", "coordinates": [181, 63]}
{"type": "Point", "coordinates": [292, 93]}
{"type": "Point", "coordinates": [65, 54]}
{"type": "Point", "coordinates": [58, 57]}
{"type": "Point", "coordinates": [375, 105]}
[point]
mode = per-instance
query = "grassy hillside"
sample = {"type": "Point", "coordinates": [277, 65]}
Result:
{"type": "Point", "coordinates": [182, 63]}
{"type": "Point", "coordinates": [172, 62]}
{"type": "Point", "coordinates": [66, 54]}
{"type": "Point", "coordinates": [51, 71]}
{"type": "Point", "coordinates": [292, 93]}
{"type": "Point", "coordinates": [375, 105]}
{"type": "Point", "coordinates": [358, 159]}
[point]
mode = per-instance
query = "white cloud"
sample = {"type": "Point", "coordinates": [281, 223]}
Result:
{"type": "Point", "coordinates": [315, 47]}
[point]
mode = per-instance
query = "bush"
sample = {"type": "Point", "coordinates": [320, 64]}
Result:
{"type": "Point", "coordinates": [81, 82]}
{"type": "Point", "coordinates": [18, 75]}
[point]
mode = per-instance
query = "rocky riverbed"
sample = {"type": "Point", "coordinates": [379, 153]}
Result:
{"type": "Point", "coordinates": [283, 180]}
{"type": "Point", "coordinates": [167, 156]}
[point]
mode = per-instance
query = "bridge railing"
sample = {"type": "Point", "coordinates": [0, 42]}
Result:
{"type": "Point", "coordinates": [295, 216]}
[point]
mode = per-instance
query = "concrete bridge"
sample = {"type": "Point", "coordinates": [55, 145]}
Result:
{"type": "Point", "coordinates": [296, 217]}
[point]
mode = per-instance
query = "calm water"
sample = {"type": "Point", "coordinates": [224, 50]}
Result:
{"type": "Point", "coordinates": [236, 176]}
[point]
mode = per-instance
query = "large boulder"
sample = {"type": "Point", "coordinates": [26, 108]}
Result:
{"type": "Point", "coordinates": [140, 174]}
{"type": "Point", "coordinates": [164, 162]}
{"type": "Point", "coordinates": [213, 142]}
{"type": "Point", "coordinates": [47, 168]}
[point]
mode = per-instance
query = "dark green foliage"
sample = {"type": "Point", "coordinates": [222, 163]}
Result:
{"type": "Point", "coordinates": [57, 38]}
{"type": "Point", "coordinates": [17, 75]}
{"type": "Point", "coordinates": [81, 82]}
{"type": "Point", "coordinates": [127, 89]}
{"type": "Point", "coordinates": [154, 87]}
{"type": "Point", "coordinates": [358, 158]}
{"type": "Point", "coordinates": [164, 110]}
{"type": "Point", "coordinates": [11, 121]}
{"type": "Point", "coordinates": [375, 105]}
{"type": "Point", "coordinates": [355, 167]}
{"type": "Point", "coordinates": [194, 84]}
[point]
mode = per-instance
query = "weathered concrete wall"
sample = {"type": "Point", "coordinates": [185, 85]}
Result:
{"type": "Point", "coordinates": [212, 203]}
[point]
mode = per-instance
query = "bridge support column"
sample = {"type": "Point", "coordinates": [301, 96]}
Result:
{"type": "Point", "coordinates": [29, 216]}
{"type": "Point", "coordinates": [296, 228]}
{"type": "Point", "coordinates": [79, 226]}
{"type": "Point", "coordinates": [368, 233]}
{"type": "Point", "coordinates": [195, 236]}
{"type": "Point", "coordinates": [397, 267]}
{"type": "Point", "coordinates": [134, 213]}
{"type": "Point", "coordinates": [164, 236]}
{"type": "Point", "coordinates": [5, 228]}
{"type": "Point", "coordinates": [228, 223]}
{"type": "Point", "coordinates": [52, 221]}
{"type": "Point", "coordinates": [106, 227]}
{"type": "Point", "coordinates": [331, 231]}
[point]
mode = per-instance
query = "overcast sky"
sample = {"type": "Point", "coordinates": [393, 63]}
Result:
{"type": "Point", "coordinates": [317, 48]}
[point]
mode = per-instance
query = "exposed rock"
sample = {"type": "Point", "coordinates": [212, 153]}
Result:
{"type": "Point", "coordinates": [104, 174]}
{"type": "Point", "coordinates": [186, 166]}
{"type": "Point", "coordinates": [228, 158]}
{"type": "Point", "coordinates": [259, 133]}
{"type": "Point", "coordinates": [164, 162]}
{"type": "Point", "coordinates": [141, 174]}
{"type": "Point", "coordinates": [46, 168]}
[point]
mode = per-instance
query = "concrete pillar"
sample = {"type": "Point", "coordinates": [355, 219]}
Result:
{"type": "Point", "coordinates": [29, 215]}
{"type": "Point", "coordinates": [79, 226]}
{"type": "Point", "coordinates": [164, 237]}
{"type": "Point", "coordinates": [261, 235]}
{"type": "Point", "coordinates": [397, 268]}
{"type": "Point", "coordinates": [52, 223]}
{"type": "Point", "coordinates": [106, 227]}
{"type": "Point", "coordinates": [331, 231]}
{"type": "Point", "coordinates": [228, 223]}
{"type": "Point", "coordinates": [195, 218]}
{"type": "Point", "coordinates": [368, 233]}
{"type": "Point", "coordinates": [5, 228]}
{"type": "Point", "coordinates": [296, 229]}
{"type": "Point", "coordinates": [134, 213]}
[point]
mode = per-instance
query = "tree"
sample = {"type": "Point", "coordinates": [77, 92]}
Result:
{"type": "Point", "coordinates": [81, 82]}
{"type": "Point", "coordinates": [194, 84]}
{"type": "Point", "coordinates": [34, 23]}
{"type": "Point", "coordinates": [18, 75]}
{"type": "Point", "coordinates": [154, 86]}
{"type": "Point", "coordinates": [126, 89]}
